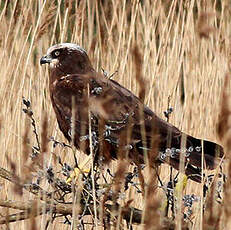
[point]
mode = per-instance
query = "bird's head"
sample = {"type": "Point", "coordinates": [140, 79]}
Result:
{"type": "Point", "coordinates": [67, 58]}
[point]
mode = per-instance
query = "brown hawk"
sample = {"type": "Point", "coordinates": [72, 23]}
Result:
{"type": "Point", "coordinates": [89, 105]}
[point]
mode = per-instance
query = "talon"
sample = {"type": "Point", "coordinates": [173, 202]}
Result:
{"type": "Point", "coordinates": [80, 170]}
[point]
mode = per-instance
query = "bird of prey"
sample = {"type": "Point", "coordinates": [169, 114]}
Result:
{"type": "Point", "coordinates": [97, 114]}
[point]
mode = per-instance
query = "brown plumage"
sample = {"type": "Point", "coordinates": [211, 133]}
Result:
{"type": "Point", "coordinates": [118, 118]}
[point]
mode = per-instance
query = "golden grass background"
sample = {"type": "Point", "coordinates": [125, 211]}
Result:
{"type": "Point", "coordinates": [175, 44]}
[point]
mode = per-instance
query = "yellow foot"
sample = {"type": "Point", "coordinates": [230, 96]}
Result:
{"type": "Point", "coordinates": [80, 170]}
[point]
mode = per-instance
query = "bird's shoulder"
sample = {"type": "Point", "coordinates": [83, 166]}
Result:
{"type": "Point", "coordinates": [103, 96]}
{"type": "Point", "coordinates": [97, 85]}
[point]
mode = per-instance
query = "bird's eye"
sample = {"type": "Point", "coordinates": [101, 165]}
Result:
{"type": "Point", "coordinates": [57, 53]}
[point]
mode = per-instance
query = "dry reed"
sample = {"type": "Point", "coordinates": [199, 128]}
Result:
{"type": "Point", "coordinates": [166, 35]}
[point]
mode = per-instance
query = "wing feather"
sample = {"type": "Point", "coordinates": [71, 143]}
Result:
{"type": "Point", "coordinates": [117, 110]}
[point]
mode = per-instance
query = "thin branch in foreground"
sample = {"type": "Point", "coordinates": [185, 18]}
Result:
{"type": "Point", "coordinates": [128, 213]}
{"type": "Point", "coordinates": [16, 217]}
{"type": "Point", "coordinates": [33, 188]}
{"type": "Point", "coordinates": [28, 111]}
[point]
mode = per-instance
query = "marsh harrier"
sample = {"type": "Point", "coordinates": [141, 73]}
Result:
{"type": "Point", "coordinates": [89, 105]}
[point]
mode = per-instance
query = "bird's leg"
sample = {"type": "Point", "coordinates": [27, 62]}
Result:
{"type": "Point", "coordinates": [81, 169]}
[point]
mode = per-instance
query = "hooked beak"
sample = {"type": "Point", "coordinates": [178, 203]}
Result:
{"type": "Point", "coordinates": [45, 59]}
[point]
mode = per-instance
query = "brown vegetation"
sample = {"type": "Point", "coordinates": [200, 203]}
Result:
{"type": "Point", "coordinates": [170, 53]}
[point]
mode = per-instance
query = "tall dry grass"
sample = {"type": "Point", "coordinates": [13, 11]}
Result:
{"type": "Point", "coordinates": [185, 49]}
